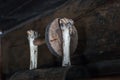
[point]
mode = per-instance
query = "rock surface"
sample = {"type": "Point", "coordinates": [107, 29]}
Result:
{"type": "Point", "coordinates": [51, 74]}
{"type": "Point", "coordinates": [15, 12]}
{"type": "Point", "coordinates": [97, 23]}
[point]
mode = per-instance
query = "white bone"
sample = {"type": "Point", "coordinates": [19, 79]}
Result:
{"type": "Point", "coordinates": [1, 33]}
{"type": "Point", "coordinates": [66, 42]}
{"type": "Point", "coordinates": [33, 49]}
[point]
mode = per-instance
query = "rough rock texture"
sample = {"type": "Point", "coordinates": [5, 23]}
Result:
{"type": "Point", "coordinates": [41, 74]}
{"type": "Point", "coordinates": [52, 74]}
{"type": "Point", "coordinates": [98, 25]}
{"type": "Point", "coordinates": [107, 78]}
{"type": "Point", "coordinates": [15, 12]}
{"type": "Point", "coordinates": [70, 73]}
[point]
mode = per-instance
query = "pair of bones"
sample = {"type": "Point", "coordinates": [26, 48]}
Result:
{"type": "Point", "coordinates": [66, 26]}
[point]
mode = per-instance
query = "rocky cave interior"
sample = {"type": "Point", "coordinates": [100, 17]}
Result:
{"type": "Point", "coordinates": [97, 56]}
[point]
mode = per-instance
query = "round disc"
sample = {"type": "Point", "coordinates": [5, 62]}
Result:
{"type": "Point", "coordinates": [53, 37]}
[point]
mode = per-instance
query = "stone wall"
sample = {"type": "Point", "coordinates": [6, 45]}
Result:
{"type": "Point", "coordinates": [97, 23]}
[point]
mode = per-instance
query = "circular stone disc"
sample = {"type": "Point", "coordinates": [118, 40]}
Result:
{"type": "Point", "coordinates": [53, 37]}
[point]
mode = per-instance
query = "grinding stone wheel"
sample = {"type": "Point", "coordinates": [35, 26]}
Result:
{"type": "Point", "coordinates": [53, 37]}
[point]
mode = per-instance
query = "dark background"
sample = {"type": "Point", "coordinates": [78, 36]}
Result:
{"type": "Point", "coordinates": [13, 12]}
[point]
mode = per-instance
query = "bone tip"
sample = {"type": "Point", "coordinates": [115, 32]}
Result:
{"type": "Point", "coordinates": [29, 31]}
{"type": "Point", "coordinates": [60, 21]}
{"type": "Point", "coordinates": [63, 20]}
{"type": "Point", "coordinates": [71, 21]}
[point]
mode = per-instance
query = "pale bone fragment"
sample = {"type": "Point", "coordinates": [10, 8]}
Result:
{"type": "Point", "coordinates": [32, 35]}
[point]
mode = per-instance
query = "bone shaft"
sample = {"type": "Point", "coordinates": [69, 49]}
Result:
{"type": "Point", "coordinates": [35, 56]}
{"type": "Point", "coordinates": [66, 48]}
{"type": "Point", "coordinates": [33, 50]}
{"type": "Point", "coordinates": [32, 56]}
{"type": "Point", "coordinates": [0, 60]}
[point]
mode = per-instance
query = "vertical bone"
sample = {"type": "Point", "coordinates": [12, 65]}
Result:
{"type": "Point", "coordinates": [0, 56]}
{"type": "Point", "coordinates": [65, 27]}
{"type": "Point", "coordinates": [33, 49]}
